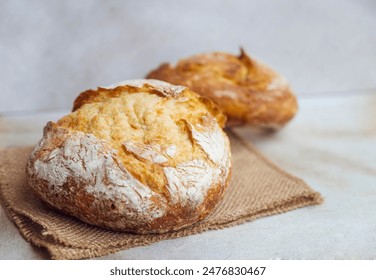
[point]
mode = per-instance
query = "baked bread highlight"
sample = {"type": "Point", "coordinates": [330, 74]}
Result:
{"type": "Point", "coordinates": [141, 156]}
{"type": "Point", "coordinates": [246, 90]}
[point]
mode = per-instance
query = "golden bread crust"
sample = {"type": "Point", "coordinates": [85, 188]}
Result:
{"type": "Point", "coordinates": [247, 91]}
{"type": "Point", "coordinates": [143, 156]}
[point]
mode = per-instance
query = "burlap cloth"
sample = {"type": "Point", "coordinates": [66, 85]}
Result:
{"type": "Point", "coordinates": [258, 188]}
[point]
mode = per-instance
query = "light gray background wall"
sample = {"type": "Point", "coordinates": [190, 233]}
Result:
{"type": "Point", "coordinates": [52, 50]}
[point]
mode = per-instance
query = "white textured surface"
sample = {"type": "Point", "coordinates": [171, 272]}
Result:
{"type": "Point", "coordinates": [152, 153]}
{"type": "Point", "coordinates": [189, 181]}
{"type": "Point", "coordinates": [61, 48]}
{"type": "Point", "coordinates": [85, 157]}
{"type": "Point", "coordinates": [210, 138]}
{"type": "Point", "coordinates": [330, 145]}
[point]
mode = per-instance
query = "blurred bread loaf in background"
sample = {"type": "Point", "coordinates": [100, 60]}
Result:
{"type": "Point", "coordinates": [246, 90]}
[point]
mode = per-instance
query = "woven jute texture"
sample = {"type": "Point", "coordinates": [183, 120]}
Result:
{"type": "Point", "coordinates": [258, 188]}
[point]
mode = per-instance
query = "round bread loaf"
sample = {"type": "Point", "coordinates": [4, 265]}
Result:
{"type": "Point", "coordinates": [246, 90]}
{"type": "Point", "coordinates": [141, 156]}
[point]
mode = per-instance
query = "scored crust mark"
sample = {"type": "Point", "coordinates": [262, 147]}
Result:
{"type": "Point", "coordinates": [152, 152]}
{"type": "Point", "coordinates": [190, 181]}
{"type": "Point", "coordinates": [96, 165]}
{"type": "Point", "coordinates": [246, 90]}
{"type": "Point", "coordinates": [209, 137]}
{"type": "Point", "coordinates": [214, 110]}
{"type": "Point", "coordinates": [151, 86]}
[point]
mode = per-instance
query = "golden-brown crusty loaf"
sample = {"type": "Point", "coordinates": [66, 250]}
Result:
{"type": "Point", "coordinates": [141, 156]}
{"type": "Point", "coordinates": [246, 90]}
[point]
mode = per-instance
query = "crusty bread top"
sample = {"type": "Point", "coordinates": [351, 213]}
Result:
{"type": "Point", "coordinates": [142, 122]}
{"type": "Point", "coordinates": [245, 89]}
{"type": "Point", "coordinates": [140, 156]}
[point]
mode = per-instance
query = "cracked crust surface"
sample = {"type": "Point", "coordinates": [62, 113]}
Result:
{"type": "Point", "coordinates": [247, 91]}
{"type": "Point", "coordinates": [141, 156]}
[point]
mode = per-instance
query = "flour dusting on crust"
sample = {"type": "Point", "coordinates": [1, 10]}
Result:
{"type": "Point", "coordinates": [166, 88]}
{"type": "Point", "coordinates": [84, 158]}
{"type": "Point", "coordinates": [152, 152]}
{"type": "Point", "coordinates": [189, 182]}
{"type": "Point", "coordinates": [210, 138]}
{"type": "Point", "coordinates": [171, 151]}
